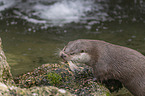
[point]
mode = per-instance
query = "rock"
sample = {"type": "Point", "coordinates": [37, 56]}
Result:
{"type": "Point", "coordinates": [59, 75]}
{"type": "Point", "coordinates": [5, 74]}
{"type": "Point", "coordinates": [34, 91]}
{"type": "Point", "coordinates": [3, 87]}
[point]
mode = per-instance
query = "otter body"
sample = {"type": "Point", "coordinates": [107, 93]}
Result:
{"type": "Point", "coordinates": [109, 61]}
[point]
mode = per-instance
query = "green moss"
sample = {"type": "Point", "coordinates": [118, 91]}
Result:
{"type": "Point", "coordinates": [54, 78]}
{"type": "Point", "coordinates": [122, 92]}
{"type": "Point", "coordinates": [108, 94]}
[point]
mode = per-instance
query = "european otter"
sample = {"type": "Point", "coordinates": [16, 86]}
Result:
{"type": "Point", "coordinates": [109, 61]}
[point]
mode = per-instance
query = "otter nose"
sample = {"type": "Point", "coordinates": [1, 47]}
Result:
{"type": "Point", "coordinates": [63, 55]}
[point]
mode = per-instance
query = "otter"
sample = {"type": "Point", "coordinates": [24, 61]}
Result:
{"type": "Point", "coordinates": [109, 61]}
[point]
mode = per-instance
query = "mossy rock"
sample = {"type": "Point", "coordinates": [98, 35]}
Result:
{"type": "Point", "coordinates": [59, 75]}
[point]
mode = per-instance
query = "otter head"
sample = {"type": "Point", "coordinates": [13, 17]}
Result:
{"type": "Point", "coordinates": [76, 51]}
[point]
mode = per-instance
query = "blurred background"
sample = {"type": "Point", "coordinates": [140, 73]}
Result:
{"type": "Point", "coordinates": [33, 31]}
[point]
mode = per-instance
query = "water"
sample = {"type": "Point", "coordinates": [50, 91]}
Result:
{"type": "Point", "coordinates": [4, 4]}
{"type": "Point", "coordinates": [33, 31]}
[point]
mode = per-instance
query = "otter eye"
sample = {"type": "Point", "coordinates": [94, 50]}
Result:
{"type": "Point", "coordinates": [82, 51]}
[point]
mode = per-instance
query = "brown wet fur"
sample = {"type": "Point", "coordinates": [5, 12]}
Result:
{"type": "Point", "coordinates": [111, 61]}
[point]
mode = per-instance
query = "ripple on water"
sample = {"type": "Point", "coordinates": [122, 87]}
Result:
{"type": "Point", "coordinates": [58, 13]}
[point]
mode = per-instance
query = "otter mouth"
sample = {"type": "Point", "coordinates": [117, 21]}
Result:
{"type": "Point", "coordinates": [73, 58]}
{"type": "Point", "coordinates": [72, 66]}
{"type": "Point", "coordinates": [67, 59]}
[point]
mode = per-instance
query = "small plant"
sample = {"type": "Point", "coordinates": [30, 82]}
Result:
{"type": "Point", "coordinates": [54, 78]}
